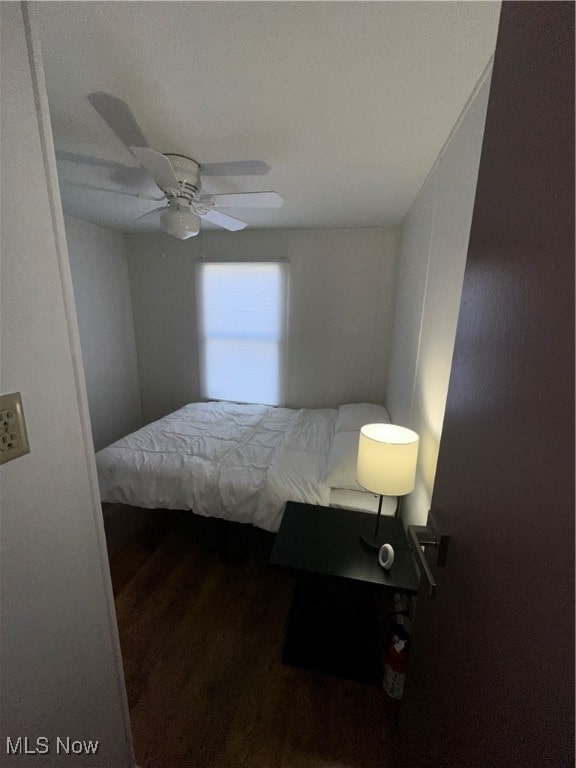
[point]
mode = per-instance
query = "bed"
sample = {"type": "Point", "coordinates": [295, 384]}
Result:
{"type": "Point", "coordinates": [240, 462]}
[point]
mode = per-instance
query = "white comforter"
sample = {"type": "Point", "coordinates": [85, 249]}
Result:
{"type": "Point", "coordinates": [239, 462]}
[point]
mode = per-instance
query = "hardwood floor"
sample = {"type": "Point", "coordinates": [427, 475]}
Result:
{"type": "Point", "coordinates": [202, 643]}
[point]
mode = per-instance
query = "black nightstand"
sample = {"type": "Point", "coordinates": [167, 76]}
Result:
{"type": "Point", "coordinates": [341, 591]}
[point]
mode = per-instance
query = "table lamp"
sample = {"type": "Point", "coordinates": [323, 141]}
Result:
{"type": "Point", "coordinates": [387, 457]}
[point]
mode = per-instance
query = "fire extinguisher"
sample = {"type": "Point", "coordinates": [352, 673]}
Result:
{"type": "Point", "coordinates": [396, 662]}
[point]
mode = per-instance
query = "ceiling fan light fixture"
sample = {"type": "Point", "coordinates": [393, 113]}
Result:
{"type": "Point", "coordinates": [181, 223]}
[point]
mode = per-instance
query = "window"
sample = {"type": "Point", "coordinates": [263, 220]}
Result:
{"type": "Point", "coordinates": [242, 331]}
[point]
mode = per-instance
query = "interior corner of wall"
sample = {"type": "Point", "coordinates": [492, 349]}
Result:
{"type": "Point", "coordinates": [416, 505]}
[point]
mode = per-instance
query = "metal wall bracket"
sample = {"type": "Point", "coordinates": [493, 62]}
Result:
{"type": "Point", "coordinates": [428, 536]}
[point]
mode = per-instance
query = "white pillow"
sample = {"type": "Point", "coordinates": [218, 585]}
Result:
{"type": "Point", "coordinates": [353, 416]}
{"type": "Point", "coordinates": [341, 467]}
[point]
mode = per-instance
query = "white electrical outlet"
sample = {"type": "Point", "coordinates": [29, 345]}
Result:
{"type": "Point", "coordinates": [13, 435]}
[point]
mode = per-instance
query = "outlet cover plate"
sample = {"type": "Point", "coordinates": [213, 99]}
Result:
{"type": "Point", "coordinates": [13, 434]}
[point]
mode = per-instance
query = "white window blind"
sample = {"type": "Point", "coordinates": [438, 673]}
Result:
{"type": "Point", "coordinates": [242, 331]}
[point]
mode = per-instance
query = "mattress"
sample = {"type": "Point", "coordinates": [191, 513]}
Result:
{"type": "Point", "coordinates": [238, 462]}
{"type": "Point", "coordinates": [361, 501]}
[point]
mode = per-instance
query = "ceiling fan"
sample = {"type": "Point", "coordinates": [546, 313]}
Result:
{"type": "Point", "coordinates": [177, 177]}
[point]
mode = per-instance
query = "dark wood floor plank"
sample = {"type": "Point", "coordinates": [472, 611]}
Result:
{"type": "Point", "coordinates": [202, 645]}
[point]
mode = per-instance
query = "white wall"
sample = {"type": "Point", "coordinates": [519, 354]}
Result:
{"type": "Point", "coordinates": [164, 308]}
{"type": "Point", "coordinates": [104, 310]}
{"type": "Point", "coordinates": [61, 672]}
{"type": "Point", "coordinates": [433, 249]}
{"type": "Point", "coordinates": [339, 311]}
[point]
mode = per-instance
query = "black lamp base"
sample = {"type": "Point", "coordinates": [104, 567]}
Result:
{"type": "Point", "coordinates": [372, 543]}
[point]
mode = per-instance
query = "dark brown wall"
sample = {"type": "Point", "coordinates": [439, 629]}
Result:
{"type": "Point", "coordinates": [492, 667]}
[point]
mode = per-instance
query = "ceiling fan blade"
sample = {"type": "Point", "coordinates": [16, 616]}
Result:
{"type": "Point", "coordinates": [127, 175]}
{"type": "Point", "coordinates": [159, 168]}
{"type": "Point", "coordinates": [223, 220]}
{"type": "Point", "coordinates": [236, 168]}
{"type": "Point", "coordinates": [98, 162]}
{"type": "Point", "coordinates": [247, 200]}
{"type": "Point", "coordinates": [161, 208]}
{"type": "Point", "coordinates": [114, 191]}
{"type": "Point", "coordinates": [117, 115]}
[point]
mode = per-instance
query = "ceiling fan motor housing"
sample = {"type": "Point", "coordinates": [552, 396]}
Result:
{"type": "Point", "coordinates": [187, 171]}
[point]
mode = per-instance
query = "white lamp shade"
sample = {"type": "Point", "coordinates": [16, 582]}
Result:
{"type": "Point", "coordinates": [387, 457]}
{"type": "Point", "coordinates": [179, 222]}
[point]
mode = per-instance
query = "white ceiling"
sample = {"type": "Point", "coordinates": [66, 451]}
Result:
{"type": "Point", "coordinates": [349, 103]}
